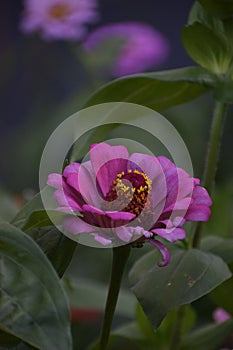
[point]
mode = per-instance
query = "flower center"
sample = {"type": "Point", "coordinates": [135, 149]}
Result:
{"type": "Point", "coordinates": [59, 10]}
{"type": "Point", "coordinates": [130, 189]}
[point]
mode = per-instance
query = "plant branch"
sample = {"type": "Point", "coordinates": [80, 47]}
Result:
{"type": "Point", "coordinates": [177, 331]}
{"type": "Point", "coordinates": [120, 257]}
{"type": "Point", "coordinates": [212, 157]}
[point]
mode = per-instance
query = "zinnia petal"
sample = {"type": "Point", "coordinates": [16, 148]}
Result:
{"type": "Point", "coordinates": [163, 250]}
{"type": "Point", "coordinates": [107, 162]}
{"type": "Point", "coordinates": [171, 235]}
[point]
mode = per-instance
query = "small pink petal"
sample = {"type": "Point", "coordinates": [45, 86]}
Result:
{"type": "Point", "coordinates": [163, 250]}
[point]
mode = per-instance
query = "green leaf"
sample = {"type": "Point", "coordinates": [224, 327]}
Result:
{"type": "Point", "coordinates": [58, 248]}
{"type": "Point", "coordinates": [160, 90]}
{"type": "Point", "coordinates": [33, 304]}
{"type": "Point", "coordinates": [207, 47]}
{"type": "Point", "coordinates": [7, 339]}
{"type": "Point", "coordinates": [210, 337]}
{"type": "Point", "coordinates": [190, 275]}
{"type": "Point", "coordinates": [34, 205]}
{"type": "Point", "coordinates": [36, 221]}
{"type": "Point", "coordinates": [200, 15]}
{"type": "Point", "coordinates": [219, 246]}
{"type": "Point", "coordinates": [84, 294]}
{"type": "Point", "coordinates": [222, 295]}
{"type": "Point", "coordinates": [41, 218]}
{"type": "Point", "coordinates": [218, 8]}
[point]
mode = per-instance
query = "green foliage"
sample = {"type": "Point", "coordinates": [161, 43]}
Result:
{"type": "Point", "coordinates": [37, 223]}
{"type": "Point", "coordinates": [222, 247]}
{"type": "Point", "coordinates": [33, 304]}
{"type": "Point", "coordinates": [210, 337]}
{"type": "Point", "coordinates": [222, 295]}
{"type": "Point", "coordinates": [218, 8]}
{"type": "Point", "coordinates": [85, 294]}
{"type": "Point", "coordinates": [58, 248]}
{"type": "Point", "coordinates": [208, 40]}
{"type": "Point", "coordinates": [207, 47]}
{"type": "Point", "coordinates": [158, 91]}
{"type": "Point", "coordinates": [190, 275]}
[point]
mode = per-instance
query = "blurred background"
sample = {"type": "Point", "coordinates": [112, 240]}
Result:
{"type": "Point", "coordinates": [44, 82]}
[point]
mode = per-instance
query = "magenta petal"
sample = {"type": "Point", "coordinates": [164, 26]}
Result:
{"type": "Point", "coordinates": [220, 315]}
{"type": "Point", "coordinates": [87, 184]}
{"type": "Point", "coordinates": [71, 168]}
{"type": "Point", "coordinates": [171, 235]}
{"type": "Point", "coordinates": [72, 180]}
{"type": "Point", "coordinates": [76, 225]}
{"type": "Point", "coordinates": [201, 196]}
{"type": "Point", "coordinates": [124, 233]}
{"type": "Point", "coordinates": [145, 163]}
{"type": "Point", "coordinates": [120, 215]}
{"type": "Point", "coordinates": [198, 212]}
{"type": "Point", "coordinates": [100, 239]}
{"type": "Point", "coordinates": [163, 250]}
{"type": "Point", "coordinates": [55, 180]}
{"type": "Point", "coordinates": [65, 200]}
{"type": "Point", "coordinates": [107, 162]}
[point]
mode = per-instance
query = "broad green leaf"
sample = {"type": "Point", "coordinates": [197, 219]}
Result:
{"type": "Point", "coordinates": [218, 8]}
{"type": "Point", "coordinates": [190, 275]}
{"type": "Point", "coordinates": [34, 205]}
{"type": "Point", "coordinates": [219, 246]}
{"type": "Point", "coordinates": [58, 248]}
{"type": "Point", "coordinates": [222, 295]}
{"type": "Point", "coordinates": [35, 220]}
{"type": "Point", "coordinates": [7, 339]}
{"type": "Point", "coordinates": [200, 15]}
{"type": "Point", "coordinates": [160, 90]}
{"type": "Point", "coordinates": [41, 218]}
{"type": "Point", "coordinates": [207, 47]}
{"type": "Point", "coordinates": [33, 304]}
{"type": "Point", "coordinates": [210, 337]}
{"type": "Point", "coordinates": [84, 294]}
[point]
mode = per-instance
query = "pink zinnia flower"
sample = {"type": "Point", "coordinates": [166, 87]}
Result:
{"type": "Point", "coordinates": [220, 315]}
{"type": "Point", "coordinates": [143, 47]}
{"type": "Point", "coordinates": [58, 19]}
{"type": "Point", "coordinates": [129, 198]}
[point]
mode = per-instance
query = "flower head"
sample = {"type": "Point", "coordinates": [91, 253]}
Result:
{"type": "Point", "coordinates": [58, 19]}
{"type": "Point", "coordinates": [129, 198]}
{"type": "Point", "coordinates": [220, 315]}
{"type": "Point", "coordinates": [143, 46]}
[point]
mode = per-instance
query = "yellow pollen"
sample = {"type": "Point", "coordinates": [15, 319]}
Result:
{"type": "Point", "coordinates": [132, 187]}
{"type": "Point", "coordinates": [59, 11]}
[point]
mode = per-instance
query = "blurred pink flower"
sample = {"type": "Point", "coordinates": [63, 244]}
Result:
{"type": "Point", "coordinates": [129, 198]}
{"type": "Point", "coordinates": [58, 19]}
{"type": "Point", "coordinates": [144, 46]}
{"type": "Point", "coordinates": [220, 315]}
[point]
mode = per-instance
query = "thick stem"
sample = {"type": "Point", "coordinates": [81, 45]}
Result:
{"type": "Point", "coordinates": [177, 331]}
{"type": "Point", "coordinates": [211, 158]}
{"type": "Point", "coordinates": [214, 146]}
{"type": "Point", "coordinates": [120, 257]}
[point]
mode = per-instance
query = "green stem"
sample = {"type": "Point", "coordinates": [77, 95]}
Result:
{"type": "Point", "coordinates": [120, 257]}
{"type": "Point", "coordinates": [212, 157]}
{"type": "Point", "coordinates": [177, 331]}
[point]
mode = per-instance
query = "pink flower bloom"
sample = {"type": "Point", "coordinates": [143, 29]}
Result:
{"type": "Point", "coordinates": [58, 19]}
{"type": "Point", "coordinates": [143, 48]}
{"type": "Point", "coordinates": [129, 198]}
{"type": "Point", "coordinates": [220, 315]}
